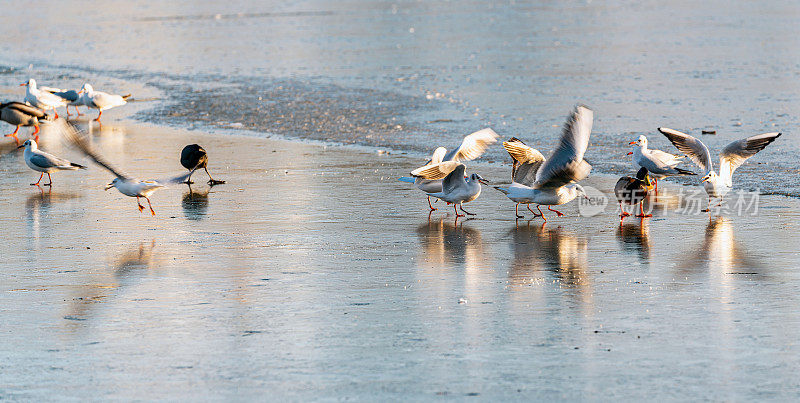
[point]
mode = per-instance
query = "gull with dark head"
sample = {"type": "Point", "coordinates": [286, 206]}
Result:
{"type": "Point", "coordinates": [659, 164]}
{"type": "Point", "coordinates": [472, 147]}
{"type": "Point", "coordinates": [731, 157]}
{"type": "Point", "coordinates": [45, 163]}
{"type": "Point", "coordinates": [456, 187]}
{"type": "Point", "coordinates": [552, 181]}
{"type": "Point", "coordinates": [125, 184]}
{"type": "Point", "coordinates": [19, 114]}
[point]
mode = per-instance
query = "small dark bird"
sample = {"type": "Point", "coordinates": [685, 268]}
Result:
{"type": "Point", "coordinates": [194, 157]}
{"type": "Point", "coordinates": [19, 114]}
{"type": "Point", "coordinates": [633, 191]}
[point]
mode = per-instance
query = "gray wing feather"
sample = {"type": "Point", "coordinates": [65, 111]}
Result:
{"type": "Point", "coordinates": [692, 147]}
{"type": "Point", "coordinates": [81, 142]}
{"type": "Point", "coordinates": [47, 161]}
{"type": "Point", "coordinates": [453, 179]}
{"type": "Point", "coordinates": [566, 164]}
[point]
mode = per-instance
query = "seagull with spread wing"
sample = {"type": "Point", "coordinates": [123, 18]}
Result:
{"type": "Point", "coordinates": [457, 188]}
{"type": "Point", "coordinates": [442, 162]}
{"type": "Point", "coordinates": [552, 181]}
{"type": "Point", "coordinates": [126, 185]}
{"type": "Point", "coordinates": [731, 157]}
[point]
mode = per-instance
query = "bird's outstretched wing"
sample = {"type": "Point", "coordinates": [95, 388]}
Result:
{"type": "Point", "coordinates": [81, 141]}
{"type": "Point", "coordinates": [692, 147]}
{"type": "Point", "coordinates": [454, 179]}
{"type": "Point", "coordinates": [566, 164]}
{"type": "Point", "coordinates": [473, 146]}
{"type": "Point", "coordinates": [527, 161]}
{"type": "Point", "coordinates": [177, 179]}
{"type": "Point", "coordinates": [736, 153]}
{"type": "Point", "coordinates": [435, 171]}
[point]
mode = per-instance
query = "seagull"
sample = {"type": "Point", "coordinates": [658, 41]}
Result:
{"type": "Point", "coordinates": [100, 100]}
{"type": "Point", "coordinates": [194, 157]}
{"type": "Point", "coordinates": [658, 163]}
{"type": "Point", "coordinates": [45, 163]}
{"type": "Point", "coordinates": [19, 114]}
{"type": "Point", "coordinates": [72, 97]}
{"type": "Point", "coordinates": [633, 191]}
{"type": "Point", "coordinates": [126, 185]}
{"type": "Point", "coordinates": [456, 188]}
{"type": "Point", "coordinates": [42, 99]}
{"type": "Point", "coordinates": [472, 147]}
{"type": "Point", "coordinates": [553, 181]}
{"type": "Point", "coordinates": [526, 158]}
{"type": "Point", "coordinates": [731, 157]}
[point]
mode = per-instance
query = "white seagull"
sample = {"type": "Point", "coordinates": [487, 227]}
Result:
{"type": "Point", "coordinates": [45, 163]}
{"type": "Point", "coordinates": [456, 189]}
{"type": "Point", "coordinates": [100, 100]}
{"type": "Point", "coordinates": [659, 164]}
{"type": "Point", "coordinates": [42, 99]}
{"type": "Point", "coordinates": [731, 157]}
{"type": "Point", "coordinates": [126, 185]}
{"type": "Point", "coordinates": [553, 181]}
{"type": "Point", "coordinates": [472, 147]}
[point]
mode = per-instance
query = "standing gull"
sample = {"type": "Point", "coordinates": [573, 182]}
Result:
{"type": "Point", "coordinates": [731, 157]}
{"type": "Point", "coordinates": [659, 164]}
{"type": "Point", "coordinates": [553, 181]}
{"type": "Point", "coordinates": [45, 163]}
{"type": "Point", "coordinates": [42, 99]}
{"type": "Point", "coordinates": [526, 161]}
{"type": "Point", "coordinates": [72, 97]}
{"type": "Point", "coordinates": [194, 157]}
{"type": "Point", "coordinates": [126, 185]}
{"type": "Point", "coordinates": [19, 114]}
{"type": "Point", "coordinates": [472, 147]}
{"type": "Point", "coordinates": [101, 100]}
{"type": "Point", "coordinates": [456, 189]}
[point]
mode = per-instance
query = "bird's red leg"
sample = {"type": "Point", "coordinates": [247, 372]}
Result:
{"type": "Point", "coordinates": [98, 119]}
{"type": "Point", "coordinates": [641, 212]}
{"type": "Point", "coordinates": [455, 208]}
{"type": "Point", "coordinates": [555, 211]}
{"type": "Point", "coordinates": [534, 213]}
{"type": "Point", "coordinates": [461, 206]}
{"type": "Point", "coordinates": [78, 110]}
{"type": "Point", "coordinates": [40, 179]}
{"type": "Point", "coordinates": [35, 134]}
{"type": "Point", "coordinates": [139, 204]}
{"type": "Point", "coordinates": [50, 183]}
{"type": "Point", "coordinates": [14, 135]}
{"type": "Point", "coordinates": [151, 206]}
{"type": "Point", "coordinates": [540, 212]}
{"type": "Point", "coordinates": [622, 213]}
{"type": "Point", "coordinates": [55, 113]}
{"type": "Point", "coordinates": [430, 205]}
{"type": "Point", "coordinates": [68, 115]}
{"type": "Point", "coordinates": [516, 211]}
{"type": "Point", "coordinates": [656, 186]}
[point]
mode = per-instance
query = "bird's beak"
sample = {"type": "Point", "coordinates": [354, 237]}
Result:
{"type": "Point", "coordinates": [23, 85]}
{"type": "Point", "coordinates": [21, 146]}
{"type": "Point", "coordinates": [483, 181]}
{"type": "Point", "coordinates": [109, 186]}
{"type": "Point", "coordinates": [629, 153]}
{"type": "Point", "coordinates": [633, 142]}
{"type": "Point", "coordinates": [705, 179]}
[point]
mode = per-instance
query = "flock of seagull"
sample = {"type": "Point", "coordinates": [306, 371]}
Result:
{"type": "Point", "coordinates": [551, 182]}
{"type": "Point", "coordinates": [32, 111]}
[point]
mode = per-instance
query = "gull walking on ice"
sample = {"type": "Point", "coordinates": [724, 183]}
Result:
{"type": "Point", "coordinates": [659, 164]}
{"type": "Point", "coordinates": [731, 157]}
{"type": "Point", "coordinates": [553, 181]}
{"type": "Point", "coordinates": [72, 97]}
{"type": "Point", "coordinates": [45, 163]}
{"type": "Point", "coordinates": [101, 100]}
{"type": "Point", "coordinates": [456, 189]}
{"type": "Point", "coordinates": [472, 147]}
{"type": "Point", "coordinates": [42, 99]}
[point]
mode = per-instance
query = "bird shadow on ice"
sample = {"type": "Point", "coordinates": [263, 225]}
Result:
{"type": "Point", "coordinates": [634, 238]}
{"type": "Point", "coordinates": [538, 248]}
{"type": "Point", "coordinates": [195, 204]}
{"type": "Point", "coordinates": [132, 264]}
{"type": "Point", "coordinates": [445, 243]}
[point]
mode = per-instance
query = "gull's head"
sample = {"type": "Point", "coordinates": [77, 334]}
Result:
{"type": "Point", "coordinates": [30, 83]}
{"type": "Point", "coordinates": [29, 144]}
{"type": "Point", "coordinates": [86, 88]}
{"type": "Point", "coordinates": [579, 191]}
{"type": "Point", "coordinates": [113, 183]}
{"type": "Point", "coordinates": [476, 177]}
{"type": "Point", "coordinates": [641, 142]}
{"type": "Point", "coordinates": [709, 177]}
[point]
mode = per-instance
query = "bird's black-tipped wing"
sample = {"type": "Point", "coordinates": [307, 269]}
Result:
{"type": "Point", "coordinates": [81, 141]}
